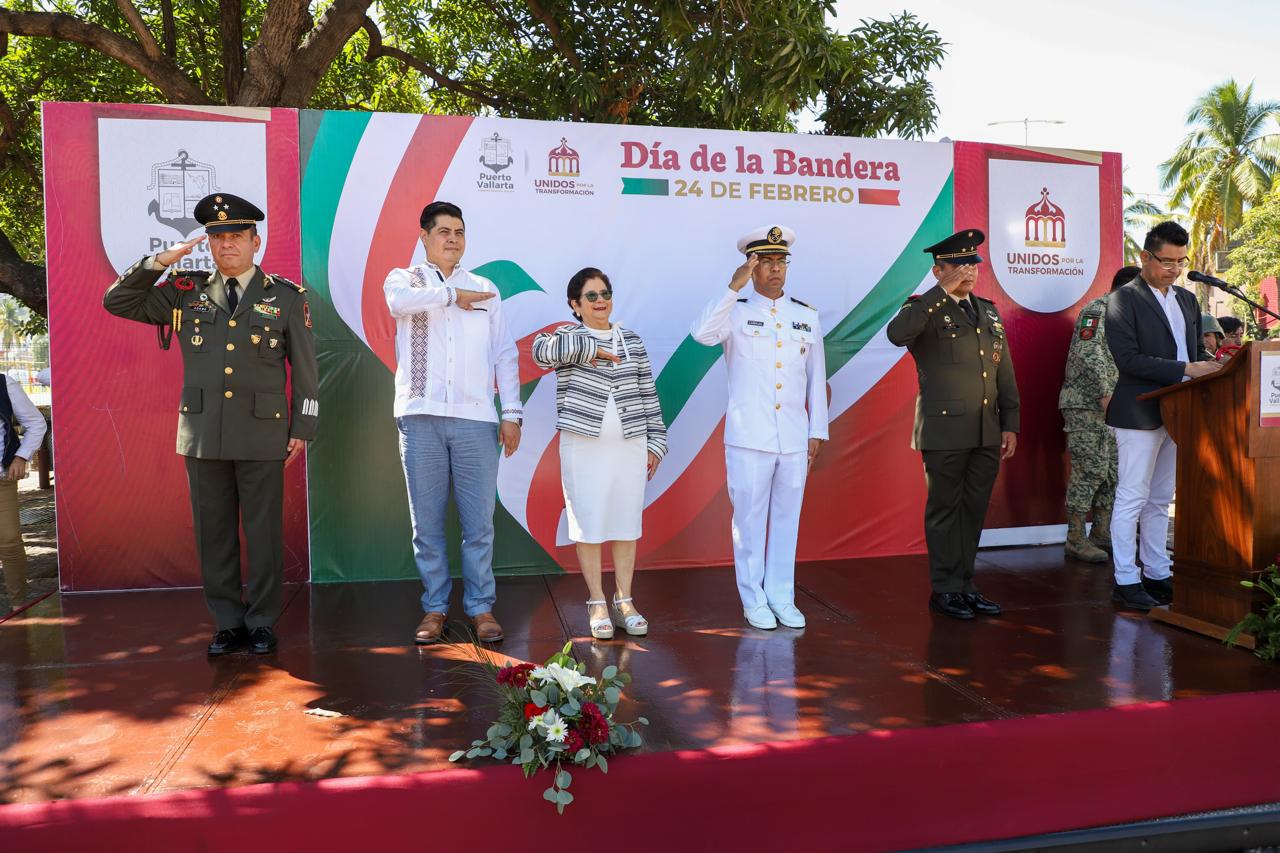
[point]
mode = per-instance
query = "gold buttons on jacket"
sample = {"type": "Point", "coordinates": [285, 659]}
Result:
{"type": "Point", "coordinates": [779, 385]}
{"type": "Point", "coordinates": [227, 394]}
{"type": "Point", "coordinates": [779, 344]}
{"type": "Point", "coordinates": [231, 323]}
{"type": "Point", "coordinates": [230, 347]}
{"type": "Point", "coordinates": [984, 374]}
{"type": "Point", "coordinates": [778, 365]}
{"type": "Point", "coordinates": [944, 411]}
{"type": "Point", "coordinates": [229, 371]}
{"type": "Point", "coordinates": [777, 325]}
{"type": "Point", "coordinates": [777, 405]}
{"type": "Point", "coordinates": [184, 408]}
{"type": "Point", "coordinates": [984, 401]}
{"type": "Point", "coordinates": [277, 414]}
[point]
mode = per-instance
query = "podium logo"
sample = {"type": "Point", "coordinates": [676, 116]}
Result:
{"type": "Point", "coordinates": [1046, 224]}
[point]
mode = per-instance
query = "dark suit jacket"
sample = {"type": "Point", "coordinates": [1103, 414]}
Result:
{"type": "Point", "coordinates": [1141, 342]}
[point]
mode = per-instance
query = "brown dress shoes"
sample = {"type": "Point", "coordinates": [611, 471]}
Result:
{"type": "Point", "coordinates": [430, 628]}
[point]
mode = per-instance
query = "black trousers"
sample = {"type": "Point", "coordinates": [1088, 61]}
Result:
{"type": "Point", "coordinates": [959, 484]}
{"type": "Point", "coordinates": [225, 493]}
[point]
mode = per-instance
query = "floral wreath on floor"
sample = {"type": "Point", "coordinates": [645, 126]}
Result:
{"type": "Point", "coordinates": [554, 715]}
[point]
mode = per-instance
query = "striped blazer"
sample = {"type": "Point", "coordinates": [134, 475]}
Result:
{"type": "Point", "coordinates": [582, 388]}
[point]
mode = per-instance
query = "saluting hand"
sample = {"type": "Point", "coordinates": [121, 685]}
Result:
{"type": "Point", "coordinates": [173, 254]}
{"type": "Point", "coordinates": [742, 274]}
{"type": "Point", "coordinates": [467, 298]}
{"type": "Point", "coordinates": [603, 354]}
{"type": "Point", "coordinates": [956, 276]}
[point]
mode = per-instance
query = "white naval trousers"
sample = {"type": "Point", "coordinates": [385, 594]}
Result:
{"type": "Point", "coordinates": [1144, 489]}
{"type": "Point", "coordinates": [766, 490]}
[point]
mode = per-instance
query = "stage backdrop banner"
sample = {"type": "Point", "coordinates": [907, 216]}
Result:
{"type": "Point", "coordinates": [1054, 223]}
{"type": "Point", "coordinates": [658, 209]}
{"type": "Point", "coordinates": [120, 183]}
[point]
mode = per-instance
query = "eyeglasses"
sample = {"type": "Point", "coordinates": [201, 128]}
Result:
{"type": "Point", "coordinates": [774, 262]}
{"type": "Point", "coordinates": [1170, 264]}
{"type": "Point", "coordinates": [594, 295]}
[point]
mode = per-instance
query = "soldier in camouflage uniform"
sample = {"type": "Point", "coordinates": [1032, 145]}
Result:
{"type": "Point", "coordinates": [237, 429]}
{"type": "Point", "coordinates": [1090, 378]}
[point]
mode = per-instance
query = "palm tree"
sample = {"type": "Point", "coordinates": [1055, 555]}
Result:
{"type": "Point", "coordinates": [1139, 215]}
{"type": "Point", "coordinates": [1226, 162]}
{"type": "Point", "coordinates": [12, 314]}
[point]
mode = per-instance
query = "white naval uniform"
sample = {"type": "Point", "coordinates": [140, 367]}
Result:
{"type": "Point", "coordinates": [777, 402]}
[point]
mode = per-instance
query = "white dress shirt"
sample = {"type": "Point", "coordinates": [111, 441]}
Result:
{"type": "Point", "coordinates": [777, 369]}
{"type": "Point", "coordinates": [448, 358]}
{"type": "Point", "coordinates": [26, 413]}
{"type": "Point", "coordinates": [1177, 321]}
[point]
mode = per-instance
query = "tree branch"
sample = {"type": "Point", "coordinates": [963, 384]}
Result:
{"type": "Point", "coordinates": [231, 33]}
{"type": "Point", "coordinates": [267, 62]}
{"type": "Point", "coordinates": [23, 279]}
{"type": "Point", "coordinates": [168, 32]}
{"type": "Point", "coordinates": [320, 47]}
{"type": "Point", "coordinates": [557, 34]}
{"type": "Point", "coordinates": [163, 73]}
{"type": "Point", "coordinates": [378, 49]}
{"type": "Point", "coordinates": [139, 27]}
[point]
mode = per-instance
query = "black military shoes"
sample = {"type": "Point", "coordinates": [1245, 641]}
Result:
{"type": "Point", "coordinates": [1160, 590]}
{"type": "Point", "coordinates": [263, 640]}
{"type": "Point", "coordinates": [951, 604]}
{"type": "Point", "coordinates": [1132, 596]}
{"type": "Point", "coordinates": [227, 641]}
{"type": "Point", "coordinates": [982, 605]}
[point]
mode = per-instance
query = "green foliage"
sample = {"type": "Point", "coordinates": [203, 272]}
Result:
{"type": "Point", "coordinates": [1257, 257]}
{"type": "Point", "coordinates": [738, 64]}
{"type": "Point", "coordinates": [1225, 164]}
{"type": "Point", "coordinates": [1264, 626]}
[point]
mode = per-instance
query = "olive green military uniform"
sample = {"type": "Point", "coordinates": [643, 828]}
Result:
{"type": "Point", "coordinates": [967, 398]}
{"type": "Point", "coordinates": [1091, 374]}
{"type": "Point", "coordinates": [235, 419]}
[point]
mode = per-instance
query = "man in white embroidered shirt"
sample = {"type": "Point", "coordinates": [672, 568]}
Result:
{"type": "Point", "coordinates": [776, 420]}
{"type": "Point", "coordinates": [452, 342]}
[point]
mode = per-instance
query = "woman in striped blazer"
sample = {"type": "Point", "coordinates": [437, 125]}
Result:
{"type": "Point", "coordinates": [611, 440]}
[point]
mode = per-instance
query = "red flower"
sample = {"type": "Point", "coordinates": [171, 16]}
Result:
{"type": "Point", "coordinates": [532, 710]}
{"type": "Point", "coordinates": [594, 727]}
{"type": "Point", "coordinates": [574, 742]}
{"type": "Point", "coordinates": [184, 283]}
{"type": "Point", "coordinates": [515, 676]}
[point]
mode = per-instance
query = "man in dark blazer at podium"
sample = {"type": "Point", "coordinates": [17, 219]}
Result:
{"type": "Point", "coordinates": [1153, 330]}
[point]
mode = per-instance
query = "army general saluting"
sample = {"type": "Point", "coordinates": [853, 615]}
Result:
{"type": "Point", "coordinates": [236, 427]}
{"type": "Point", "coordinates": [966, 415]}
{"type": "Point", "coordinates": [776, 422]}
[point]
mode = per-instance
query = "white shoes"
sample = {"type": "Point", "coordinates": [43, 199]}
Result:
{"type": "Point", "coordinates": [761, 617]}
{"type": "Point", "coordinates": [788, 615]}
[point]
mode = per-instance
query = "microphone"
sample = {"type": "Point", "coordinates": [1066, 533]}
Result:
{"type": "Point", "coordinates": [1209, 280]}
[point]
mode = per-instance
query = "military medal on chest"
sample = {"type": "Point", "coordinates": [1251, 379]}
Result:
{"type": "Point", "coordinates": [996, 346]}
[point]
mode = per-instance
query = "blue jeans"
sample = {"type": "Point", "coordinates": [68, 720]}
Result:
{"type": "Point", "coordinates": [436, 451]}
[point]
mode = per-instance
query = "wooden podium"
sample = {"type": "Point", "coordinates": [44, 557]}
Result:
{"type": "Point", "coordinates": [1227, 526]}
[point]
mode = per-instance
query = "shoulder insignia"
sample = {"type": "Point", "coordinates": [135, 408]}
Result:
{"type": "Point", "coordinates": [279, 279]}
{"type": "Point", "coordinates": [983, 299]}
{"type": "Point", "coordinates": [803, 304]}
{"type": "Point", "coordinates": [742, 300]}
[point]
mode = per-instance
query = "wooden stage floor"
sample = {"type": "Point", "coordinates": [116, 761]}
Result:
{"type": "Point", "coordinates": [112, 693]}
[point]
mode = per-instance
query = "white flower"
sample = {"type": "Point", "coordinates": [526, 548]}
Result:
{"type": "Point", "coordinates": [557, 731]}
{"type": "Point", "coordinates": [568, 679]}
{"type": "Point", "coordinates": [545, 720]}
{"type": "Point", "coordinates": [535, 721]}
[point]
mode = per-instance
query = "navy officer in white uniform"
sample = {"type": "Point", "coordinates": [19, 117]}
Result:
{"type": "Point", "coordinates": [776, 422]}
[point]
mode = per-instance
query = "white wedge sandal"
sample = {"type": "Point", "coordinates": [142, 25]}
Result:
{"type": "Point", "coordinates": [602, 628]}
{"type": "Point", "coordinates": [633, 623]}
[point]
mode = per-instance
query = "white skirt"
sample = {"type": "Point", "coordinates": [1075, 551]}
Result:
{"type": "Point", "coordinates": [604, 481]}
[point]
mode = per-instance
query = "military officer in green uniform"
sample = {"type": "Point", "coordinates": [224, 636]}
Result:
{"type": "Point", "coordinates": [237, 427]}
{"type": "Point", "coordinates": [1090, 379]}
{"type": "Point", "coordinates": [966, 415]}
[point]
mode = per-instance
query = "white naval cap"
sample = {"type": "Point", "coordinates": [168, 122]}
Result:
{"type": "Point", "coordinates": [767, 240]}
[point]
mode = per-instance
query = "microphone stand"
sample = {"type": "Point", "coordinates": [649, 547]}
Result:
{"type": "Point", "coordinates": [1235, 291]}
